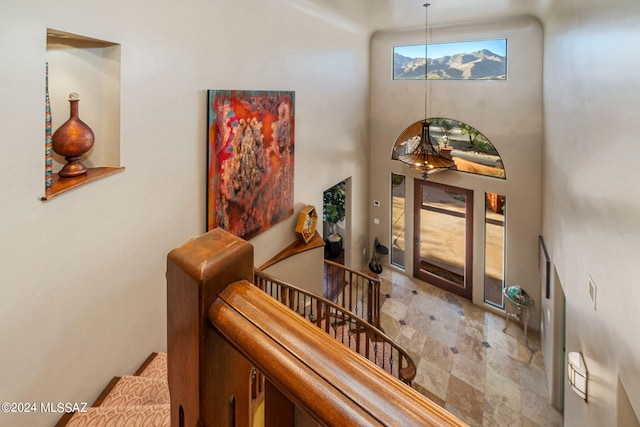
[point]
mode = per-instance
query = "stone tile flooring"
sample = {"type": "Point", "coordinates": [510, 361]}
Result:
{"type": "Point", "coordinates": [465, 361]}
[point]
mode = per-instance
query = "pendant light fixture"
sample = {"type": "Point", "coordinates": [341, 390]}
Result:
{"type": "Point", "coordinates": [414, 146]}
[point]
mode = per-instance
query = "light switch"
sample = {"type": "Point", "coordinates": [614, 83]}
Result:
{"type": "Point", "coordinates": [376, 221]}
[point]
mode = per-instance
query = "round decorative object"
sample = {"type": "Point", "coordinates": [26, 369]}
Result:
{"type": "Point", "coordinates": [72, 140]}
{"type": "Point", "coordinates": [516, 294]}
{"type": "Point", "coordinates": [375, 267]}
{"type": "Point", "coordinates": [306, 224]}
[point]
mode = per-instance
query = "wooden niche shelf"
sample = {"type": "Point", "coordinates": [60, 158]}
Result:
{"type": "Point", "coordinates": [293, 249]}
{"type": "Point", "coordinates": [60, 185]}
{"type": "Point", "coordinates": [90, 67]}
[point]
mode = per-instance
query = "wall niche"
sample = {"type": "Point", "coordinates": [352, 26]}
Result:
{"type": "Point", "coordinates": [91, 68]}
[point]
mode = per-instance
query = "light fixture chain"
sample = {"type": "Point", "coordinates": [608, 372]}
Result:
{"type": "Point", "coordinates": [426, 57]}
{"type": "Point", "coordinates": [418, 151]}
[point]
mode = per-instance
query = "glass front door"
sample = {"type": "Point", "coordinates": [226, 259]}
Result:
{"type": "Point", "coordinates": [443, 233]}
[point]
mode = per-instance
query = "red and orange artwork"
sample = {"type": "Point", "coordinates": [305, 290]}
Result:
{"type": "Point", "coordinates": [250, 160]}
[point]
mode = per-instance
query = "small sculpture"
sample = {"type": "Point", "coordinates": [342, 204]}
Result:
{"type": "Point", "coordinates": [378, 249]}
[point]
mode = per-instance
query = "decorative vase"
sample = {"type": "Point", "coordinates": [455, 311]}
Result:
{"type": "Point", "coordinates": [72, 140]}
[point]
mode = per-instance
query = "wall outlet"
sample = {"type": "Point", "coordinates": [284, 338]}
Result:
{"type": "Point", "coordinates": [376, 221]}
{"type": "Point", "coordinates": [592, 291]}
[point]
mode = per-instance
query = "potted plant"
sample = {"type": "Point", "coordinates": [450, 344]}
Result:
{"type": "Point", "coordinates": [333, 212]}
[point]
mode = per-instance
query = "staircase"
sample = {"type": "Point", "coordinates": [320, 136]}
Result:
{"type": "Point", "coordinates": [214, 345]}
{"type": "Point", "coordinates": [131, 400]}
{"type": "Point", "coordinates": [142, 400]}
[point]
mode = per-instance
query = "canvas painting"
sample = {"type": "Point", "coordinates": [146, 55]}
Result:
{"type": "Point", "coordinates": [250, 160]}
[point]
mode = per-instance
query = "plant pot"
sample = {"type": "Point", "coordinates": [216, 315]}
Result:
{"type": "Point", "coordinates": [334, 245]}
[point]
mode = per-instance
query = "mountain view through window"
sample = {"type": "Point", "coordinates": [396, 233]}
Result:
{"type": "Point", "coordinates": [477, 60]}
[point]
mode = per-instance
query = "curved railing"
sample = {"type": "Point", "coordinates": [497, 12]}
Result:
{"type": "Point", "coordinates": [219, 325]}
{"type": "Point", "coordinates": [343, 325]}
{"type": "Point", "coordinates": [354, 290]}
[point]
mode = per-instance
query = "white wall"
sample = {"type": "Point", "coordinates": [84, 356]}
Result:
{"type": "Point", "coordinates": [82, 286]}
{"type": "Point", "coordinates": [304, 270]}
{"type": "Point", "coordinates": [508, 113]}
{"type": "Point", "coordinates": [591, 205]}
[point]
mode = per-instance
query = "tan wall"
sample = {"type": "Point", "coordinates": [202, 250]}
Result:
{"type": "Point", "coordinates": [508, 112]}
{"type": "Point", "coordinates": [304, 270]}
{"type": "Point", "coordinates": [590, 188]}
{"type": "Point", "coordinates": [82, 288]}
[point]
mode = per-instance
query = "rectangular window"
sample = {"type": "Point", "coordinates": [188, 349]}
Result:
{"type": "Point", "coordinates": [397, 220]}
{"type": "Point", "coordinates": [476, 60]}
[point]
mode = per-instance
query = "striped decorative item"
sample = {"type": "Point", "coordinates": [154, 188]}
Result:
{"type": "Point", "coordinates": [48, 153]}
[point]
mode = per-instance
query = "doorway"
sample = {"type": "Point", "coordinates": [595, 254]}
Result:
{"type": "Point", "coordinates": [443, 236]}
{"type": "Point", "coordinates": [335, 214]}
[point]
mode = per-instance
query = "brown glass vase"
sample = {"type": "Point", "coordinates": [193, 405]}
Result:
{"type": "Point", "coordinates": [72, 140]}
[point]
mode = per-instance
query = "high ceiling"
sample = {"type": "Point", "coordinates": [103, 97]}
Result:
{"type": "Point", "coordinates": [405, 14]}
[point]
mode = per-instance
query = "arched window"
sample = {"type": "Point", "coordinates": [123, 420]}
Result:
{"type": "Point", "coordinates": [470, 150]}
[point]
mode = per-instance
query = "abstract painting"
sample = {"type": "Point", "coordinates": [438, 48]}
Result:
{"type": "Point", "coordinates": [250, 160]}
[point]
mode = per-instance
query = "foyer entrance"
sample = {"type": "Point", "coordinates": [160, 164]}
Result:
{"type": "Point", "coordinates": [443, 236]}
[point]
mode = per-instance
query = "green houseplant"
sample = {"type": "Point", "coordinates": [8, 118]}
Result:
{"type": "Point", "coordinates": [333, 211]}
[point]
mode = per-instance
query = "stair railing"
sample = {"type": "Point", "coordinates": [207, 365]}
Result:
{"type": "Point", "coordinates": [219, 325]}
{"type": "Point", "coordinates": [343, 325]}
{"type": "Point", "coordinates": [356, 291]}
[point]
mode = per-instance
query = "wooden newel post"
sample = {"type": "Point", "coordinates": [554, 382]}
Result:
{"type": "Point", "coordinates": [205, 394]}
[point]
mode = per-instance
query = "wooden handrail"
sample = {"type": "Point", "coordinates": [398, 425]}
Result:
{"type": "Point", "coordinates": [351, 270]}
{"type": "Point", "coordinates": [209, 381]}
{"type": "Point", "coordinates": [219, 324]}
{"type": "Point", "coordinates": [343, 325]}
{"type": "Point", "coordinates": [305, 365]}
{"type": "Point", "coordinates": [353, 285]}
{"type": "Point", "coordinates": [295, 248]}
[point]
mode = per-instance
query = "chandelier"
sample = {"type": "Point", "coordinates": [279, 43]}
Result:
{"type": "Point", "coordinates": [414, 146]}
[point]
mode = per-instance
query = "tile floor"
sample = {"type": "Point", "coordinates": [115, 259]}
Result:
{"type": "Point", "coordinates": [465, 361]}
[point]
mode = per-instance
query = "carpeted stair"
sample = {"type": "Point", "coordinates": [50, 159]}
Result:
{"type": "Point", "coordinates": [140, 400]}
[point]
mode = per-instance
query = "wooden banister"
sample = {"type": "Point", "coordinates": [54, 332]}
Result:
{"type": "Point", "coordinates": [352, 287]}
{"type": "Point", "coordinates": [335, 387]}
{"type": "Point", "coordinates": [343, 325]}
{"type": "Point", "coordinates": [219, 324]}
{"type": "Point", "coordinates": [351, 270]}
{"type": "Point", "coordinates": [202, 365]}
{"type": "Point", "coordinates": [295, 248]}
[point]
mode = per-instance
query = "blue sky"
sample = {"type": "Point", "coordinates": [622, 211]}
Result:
{"type": "Point", "coordinates": [443, 49]}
